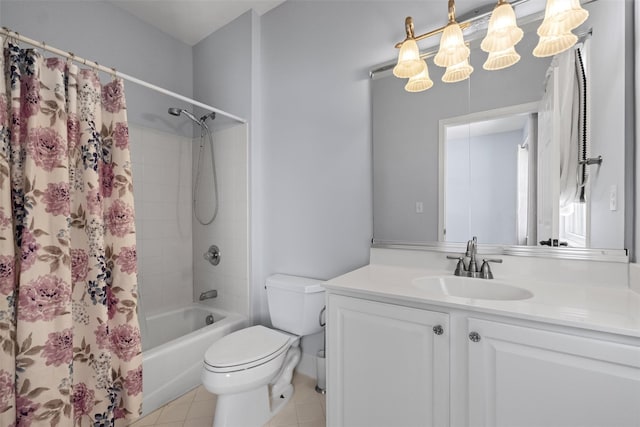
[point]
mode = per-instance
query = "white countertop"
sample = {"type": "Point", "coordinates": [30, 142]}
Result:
{"type": "Point", "coordinates": [600, 308]}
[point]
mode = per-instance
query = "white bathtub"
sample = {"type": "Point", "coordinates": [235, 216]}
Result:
{"type": "Point", "coordinates": [173, 350]}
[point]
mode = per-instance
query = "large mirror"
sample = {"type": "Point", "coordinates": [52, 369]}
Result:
{"type": "Point", "coordinates": [472, 158]}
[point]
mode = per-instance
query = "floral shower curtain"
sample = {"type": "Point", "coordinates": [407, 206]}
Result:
{"type": "Point", "coordinates": [70, 349]}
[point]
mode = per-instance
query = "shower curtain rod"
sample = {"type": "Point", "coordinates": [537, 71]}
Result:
{"type": "Point", "coordinates": [112, 71]}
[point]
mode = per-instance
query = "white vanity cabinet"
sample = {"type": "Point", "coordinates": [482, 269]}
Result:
{"type": "Point", "coordinates": [395, 366]}
{"type": "Point", "coordinates": [521, 376]}
{"type": "Point", "coordinates": [388, 365]}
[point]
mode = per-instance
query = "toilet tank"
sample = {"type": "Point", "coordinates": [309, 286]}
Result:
{"type": "Point", "coordinates": [295, 303]}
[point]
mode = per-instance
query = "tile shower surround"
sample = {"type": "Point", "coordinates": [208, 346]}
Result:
{"type": "Point", "coordinates": [170, 242]}
{"type": "Point", "coordinates": [161, 165]}
{"type": "Point", "coordinates": [229, 231]}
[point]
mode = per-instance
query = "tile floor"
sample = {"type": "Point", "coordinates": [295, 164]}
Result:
{"type": "Point", "coordinates": [196, 408]}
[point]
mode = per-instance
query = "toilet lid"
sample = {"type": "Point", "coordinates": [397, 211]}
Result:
{"type": "Point", "coordinates": [245, 347]}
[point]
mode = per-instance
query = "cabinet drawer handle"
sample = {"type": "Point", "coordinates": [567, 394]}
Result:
{"type": "Point", "coordinates": [474, 336]}
{"type": "Point", "coordinates": [438, 330]}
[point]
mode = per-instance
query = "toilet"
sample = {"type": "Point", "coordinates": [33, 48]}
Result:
{"type": "Point", "coordinates": [250, 370]}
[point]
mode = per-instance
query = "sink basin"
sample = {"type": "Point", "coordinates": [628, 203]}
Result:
{"type": "Point", "coordinates": [467, 287]}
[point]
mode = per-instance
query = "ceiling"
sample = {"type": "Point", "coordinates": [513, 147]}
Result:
{"type": "Point", "coordinates": [190, 21]}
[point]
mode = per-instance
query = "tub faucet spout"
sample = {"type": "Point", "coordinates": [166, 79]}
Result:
{"type": "Point", "coordinates": [208, 295]}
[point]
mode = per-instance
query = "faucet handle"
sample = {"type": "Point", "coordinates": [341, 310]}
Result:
{"type": "Point", "coordinates": [485, 270]}
{"type": "Point", "coordinates": [459, 271]}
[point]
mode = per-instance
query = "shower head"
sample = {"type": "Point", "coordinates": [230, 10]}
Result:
{"type": "Point", "coordinates": [177, 111]}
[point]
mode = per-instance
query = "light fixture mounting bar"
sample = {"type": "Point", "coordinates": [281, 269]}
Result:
{"type": "Point", "coordinates": [463, 26]}
{"type": "Point", "coordinates": [467, 19]}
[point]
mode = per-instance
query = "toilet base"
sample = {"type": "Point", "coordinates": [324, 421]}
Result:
{"type": "Point", "coordinates": [232, 410]}
{"type": "Point", "coordinates": [253, 408]}
{"type": "Point", "coordinates": [279, 401]}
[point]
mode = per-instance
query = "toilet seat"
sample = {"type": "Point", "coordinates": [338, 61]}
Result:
{"type": "Point", "coordinates": [245, 349]}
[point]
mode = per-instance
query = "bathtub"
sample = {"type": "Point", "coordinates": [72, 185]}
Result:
{"type": "Point", "coordinates": [173, 350]}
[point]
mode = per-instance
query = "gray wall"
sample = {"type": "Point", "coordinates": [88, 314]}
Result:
{"type": "Point", "coordinates": [316, 133]}
{"type": "Point", "coordinates": [101, 32]}
{"type": "Point", "coordinates": [225, 53]}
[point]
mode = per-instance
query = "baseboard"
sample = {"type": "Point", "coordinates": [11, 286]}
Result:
{"type": "Point", "coordinates": [307, 366]}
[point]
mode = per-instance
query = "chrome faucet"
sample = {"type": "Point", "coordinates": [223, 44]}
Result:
{"type": "Point", "coordinates": [208, 295]}
{"type": "Point", "coordinates": [472, 251]}
{"type": "Point", "coordinates": [467, 265]}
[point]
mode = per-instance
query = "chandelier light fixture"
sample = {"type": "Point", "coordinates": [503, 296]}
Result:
{"type": "Point", "coordinates": [503, 34]}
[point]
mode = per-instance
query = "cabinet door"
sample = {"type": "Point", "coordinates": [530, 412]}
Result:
{"type": "Point", "coordinates": [528, 377]}
{"type": "Point", "coordinates": [386, 365]}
